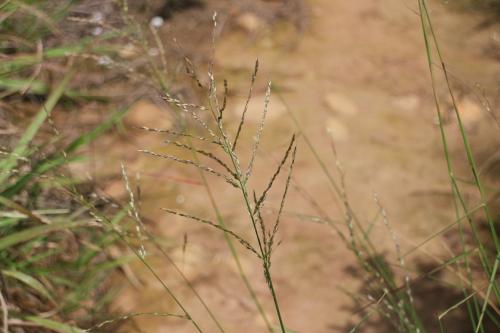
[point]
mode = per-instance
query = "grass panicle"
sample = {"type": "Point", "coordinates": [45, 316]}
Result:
{"type": "Point", "coordinates": [237, 177]}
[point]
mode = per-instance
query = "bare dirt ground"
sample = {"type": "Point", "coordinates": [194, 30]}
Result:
{"type": "Point", "coordinates": [356, 74]}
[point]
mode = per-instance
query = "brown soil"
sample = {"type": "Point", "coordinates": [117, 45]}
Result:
{"type": "Point", "coordinates": [357, 74]}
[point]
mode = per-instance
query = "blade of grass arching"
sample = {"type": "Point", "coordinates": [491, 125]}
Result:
{"type": "Point", "coordinates": [61, 158]}
{"type": "Point", "coordinates": [11, 161]}
{"type": "Point", "coordinates": [427, 24]}
{"type": "Point", "coordinates": [29, 281]}
{"type": "Point", "coordinates": [232, 249]}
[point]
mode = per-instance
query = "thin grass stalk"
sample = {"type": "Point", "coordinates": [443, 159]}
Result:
{"type": "Point", "coordinates": [426, 22]}
{"type": "Point", "coordinates": [465, 139]}
{"type": "Point", "coordinates": [484, 257]}
{"type": "Point", "coordinates": [490, 285]}
{"type": "Point", "coordinates": [473, 312]}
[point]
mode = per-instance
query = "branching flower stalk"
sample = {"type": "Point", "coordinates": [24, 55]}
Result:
{"type": "Point", "coordinates": [235, 175]}
{"type": "Point", "coordinates": [265, 249]}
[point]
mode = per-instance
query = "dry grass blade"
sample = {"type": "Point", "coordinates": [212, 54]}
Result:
{"type": "Point", "coordinates": [262, 198]}
{"type": "Point", "coordinates": [242, 120]}
{"type": "Point", "coordinates": [189, 162]}
{"type": "Point", "coordinates": [240, 239]}
{"type": "Point", "coordinates": [259, 131]}
{"type": "Point", "coordinates": [204, 153]}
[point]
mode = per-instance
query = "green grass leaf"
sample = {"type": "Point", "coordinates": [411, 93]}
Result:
{"type": "Point", "coordinates": [54, 325]}
{"type": "Point", "coordinates": [22, 146]}
{"type": "Point", "coordinates": [58, 159]}
{"type": "Point", "coordinates": [28, 234]}
{"type": "Point", "coordinates": [30, 281]}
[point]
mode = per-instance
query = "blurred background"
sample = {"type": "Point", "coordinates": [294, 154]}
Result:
{"type": "Point", "coordinates": [382, 230]}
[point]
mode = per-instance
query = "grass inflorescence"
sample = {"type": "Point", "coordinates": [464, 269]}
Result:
{"type": "Point", "coordinates": [234, 174]}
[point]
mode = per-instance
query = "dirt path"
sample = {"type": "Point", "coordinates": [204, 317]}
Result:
{"type": "Point", "coordinates": [357, 75]}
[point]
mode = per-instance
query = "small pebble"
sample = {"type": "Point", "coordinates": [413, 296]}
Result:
{"type": "Point", "coordinates": [156, 22]}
